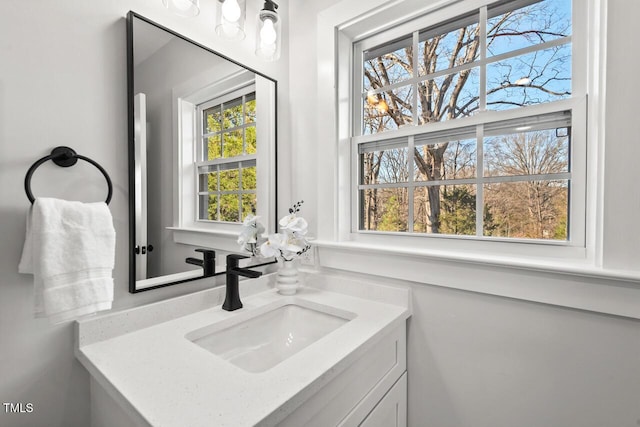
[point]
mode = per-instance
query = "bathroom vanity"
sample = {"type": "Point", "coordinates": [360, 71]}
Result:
{"type": "Point", "coordinates": [333, 354]}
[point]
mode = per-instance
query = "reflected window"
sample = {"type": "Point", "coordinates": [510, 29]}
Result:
{"type": "Point", "coordinates": [226, 169]}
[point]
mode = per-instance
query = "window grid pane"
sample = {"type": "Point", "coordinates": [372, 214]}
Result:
{"type": "Point", "coordinates": [530, 25]}
{"type": "Point", "coordinates": [527, 209]}
{"type": "Point", "coordinates": [449, 45]}
{"type": "Point", "coordinates": [445, 209]}
{"type": "Point", "coordinates": [525, 164]}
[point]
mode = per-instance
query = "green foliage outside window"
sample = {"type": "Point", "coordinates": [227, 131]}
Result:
{"type": "Point", "coordinates": [230, 133]}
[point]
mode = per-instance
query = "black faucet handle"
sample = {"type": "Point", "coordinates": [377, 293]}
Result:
{"type": "Point", "coordinates": [233, 259]}
{"type": "Point", "coordinates": [245, 272]}
{"type": "Point", "coordinates": [208, 263]}
{"type": "Point", "coordinates": [207, 253]}
{"type": "Point", "coordinates": [194, 261]}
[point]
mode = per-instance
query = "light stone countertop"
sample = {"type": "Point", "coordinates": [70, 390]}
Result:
{"type": "Point", "coordinates": [170, 381]}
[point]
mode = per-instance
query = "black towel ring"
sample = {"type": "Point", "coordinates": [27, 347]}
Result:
{"type": "Point", "coordinates": [63, 157]}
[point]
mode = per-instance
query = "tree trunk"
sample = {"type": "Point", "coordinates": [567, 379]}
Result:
{"type": "Point", "coordinates": [431, 166]}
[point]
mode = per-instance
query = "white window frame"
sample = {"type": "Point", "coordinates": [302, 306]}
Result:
{"type": "Point", "coordinates": [187, 227]}
{"type": "Point", "coordinates": [351, 21]}
{"type": "Point", "coordinates": [561, 276]}
{"type": "Point", "coordinates": [575, 246]}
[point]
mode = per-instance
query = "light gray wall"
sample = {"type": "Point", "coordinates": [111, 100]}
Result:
{"type": "Point", "coordinates": [487, 361]}
{"type": "Point", "coordinates": [63, 82]}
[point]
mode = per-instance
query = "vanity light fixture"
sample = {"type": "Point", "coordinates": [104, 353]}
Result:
{"type": "Point", "coordinates": [186, 8]}
{"type": "Point", "coordinates": [230, 16]}
{"type": "Point", "coordinates": [268, 33]}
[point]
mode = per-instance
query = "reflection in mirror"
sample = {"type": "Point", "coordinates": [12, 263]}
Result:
{"type": "Point", "coordinates": [202, 152]}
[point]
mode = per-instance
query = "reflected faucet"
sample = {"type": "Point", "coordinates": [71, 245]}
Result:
{"type": "Point", "coordinates": [232, 298]}
{"type": "Point", "coordinates": [208, 263]}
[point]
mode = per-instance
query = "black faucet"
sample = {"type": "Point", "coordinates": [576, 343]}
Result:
{"type": "Point", "coordinates": [208, 263]}
{"type": "Point", "coordinates": [232, 297]}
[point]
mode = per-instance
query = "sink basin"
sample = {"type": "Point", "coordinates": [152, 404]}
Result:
{"type": "Point", "coordinates": [264, 340]}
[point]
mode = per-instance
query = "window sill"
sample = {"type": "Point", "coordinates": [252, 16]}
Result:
{"type": "Point", "coordinates": [224, 240]}
{"type": "Point", "coordinates": [565, 282]}
{"type": "Point", "coordinates": [569, 267]}
{"type": "Point", "coordinates": [169, 278]}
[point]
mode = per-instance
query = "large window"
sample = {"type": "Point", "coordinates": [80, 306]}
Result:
{"type": "Point", "coordinates": [226, 165]}
{"type": "Point", "coordinates": [468, 127]}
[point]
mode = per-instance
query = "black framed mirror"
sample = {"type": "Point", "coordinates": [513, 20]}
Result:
{"type": "Point", "coordinates": [202, 148]}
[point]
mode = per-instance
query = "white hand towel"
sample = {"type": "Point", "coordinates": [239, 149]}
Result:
{"type": "Point", "coordinates": [70, 250]}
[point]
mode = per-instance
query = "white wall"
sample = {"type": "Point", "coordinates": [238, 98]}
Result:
{"type": "Point", "coordinates": [622, 151]}
{"type": "Point", "coordinates": [483, 360]}
{"type": "Point", "coordinates": [63, 82]}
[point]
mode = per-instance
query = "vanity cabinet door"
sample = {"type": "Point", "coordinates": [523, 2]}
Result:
{"type": "Point", "coordinates": [391, 411]}
{"type": "Point", "coordinates": [355, 392]}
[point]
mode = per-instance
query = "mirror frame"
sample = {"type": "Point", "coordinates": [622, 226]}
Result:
{"type": "Point", "coordinates": [131, 15]}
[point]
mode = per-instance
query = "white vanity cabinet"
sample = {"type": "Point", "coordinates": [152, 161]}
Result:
{"type": "Point", "coordinates": [148, 368]}
{"type": "Point", "coordinates": [371, 392]}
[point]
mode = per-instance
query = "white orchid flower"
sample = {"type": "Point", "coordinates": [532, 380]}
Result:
{"type": "Point", "coordinates": [294, 224]}
{"type": "Point", "coordinates": [290, 242]}
{"type": "Point", "coordinates": [291, 247]}
{"type": "Point", "coordinates": [250, 220]}
{"type": "Point", "coordinates": [271, 247]}
{"type": "Point", "coordinates": [279, 245]}
{"type": "Point", "coordinates": [247, 235]}
{"type": "Point", "coordinates": [251, 234]}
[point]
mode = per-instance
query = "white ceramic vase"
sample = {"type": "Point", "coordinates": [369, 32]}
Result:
{"type": "Point", "coordinates": [287, 281]}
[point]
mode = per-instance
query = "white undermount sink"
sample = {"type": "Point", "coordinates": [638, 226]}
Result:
{"type": "Point", "coordinates": [262, 341]}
